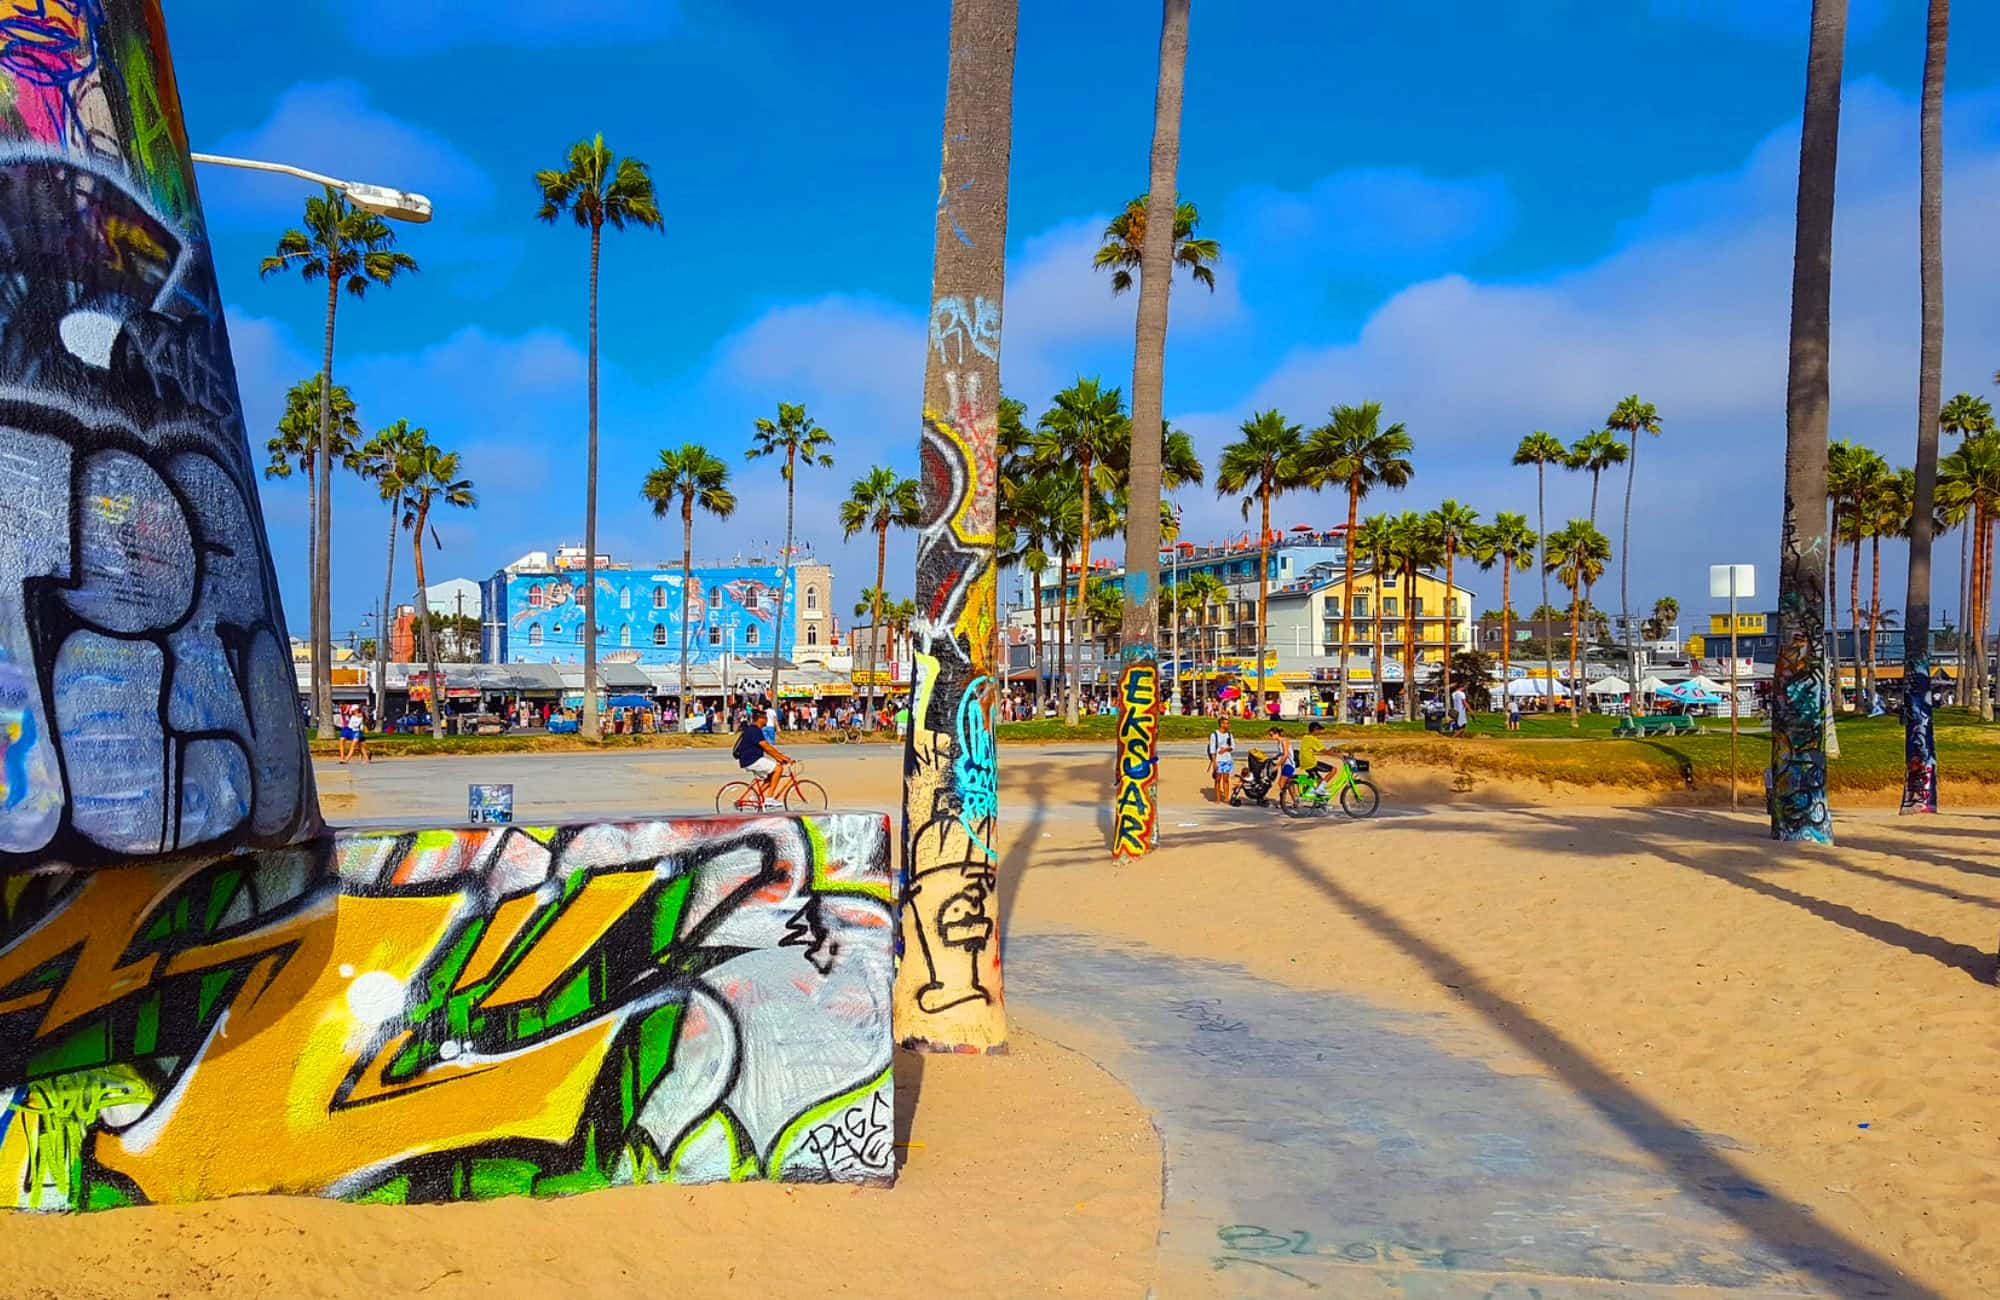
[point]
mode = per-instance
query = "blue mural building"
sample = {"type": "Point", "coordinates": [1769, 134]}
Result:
{"type": "Point", "coordinates": [536, 617]}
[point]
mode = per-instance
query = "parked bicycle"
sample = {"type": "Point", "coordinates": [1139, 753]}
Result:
{"type": "Point", "coordinates": [787, 791]}
{"type": "Point", "coordinates": [1347, 785]}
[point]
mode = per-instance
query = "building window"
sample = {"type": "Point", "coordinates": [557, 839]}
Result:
{"type": "Point", "coordinates": [625, 635]}
{"type": "Point", "coordinates": [659, 634]}
{"type": "Point", "coordinates": [535, 596]}
{"type": "Point", "coordinates": [659, 598]}
{"type": "Point", "coordinates": [1361, 605]}
{"type": "Point", "coordinates": [624, 598]}
{"type": "Point", "coordinates": [749, 634]}
{"type": "Point", "coordinates": [812, 634]}
{"type": "Point", "coordinates": [812, 598]}
{"type": "Point", "coordinates": [534, 634]}
{"type": "Point", "coordinates": [1457, 607]}
{"type": "Point", "coordinates": [1417, 603]}
{"type": "Point", "coordinates": [715, 636]}
{"type": "Point", "coordinates": [1333, 607]}
{"type": "Point", "coordinates": [751, 598]}
{"type": "Point", "coordinates": [715, 598]}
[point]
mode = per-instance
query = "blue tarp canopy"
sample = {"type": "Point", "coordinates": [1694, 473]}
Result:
{"type": "Point", "coordinates": [1688, 693]}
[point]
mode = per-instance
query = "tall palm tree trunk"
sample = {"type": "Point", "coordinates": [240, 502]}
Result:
{"type": "Point", "coordinates": [1541, 551]}
{"type": "Point", "coordinates": [687, 596]}
{"type": "Point", "coordinates": [1450, 561]}
{"type": "Point", "coordinates": [1874, 606]}
{"type": "Point", "coordinates": [1139, 700]}
{"type": "Point", "coordinates": [1980, 673]}
{"type": "Point", "coordinates": [590, 724]}
{"type": "Point", "coordinates": [875, 615]}
{"type": "Point", "coordinates": [1506, 626]}
{"type": "Point", "coordinates": [784, 580]}
{"type": "Point", "coordinates": [1080, 610]}
{"type": "Point", "coordinates": [1038, 646]}
{"type": "Point", "coordinates": [1575, 690]}
{"type": "Point", "coordinates": [1409, 640]}
{"type": "Point", "coordinates": [1624, 579]}
{"type": "Point", "coordinates": [948, 994]}
{"type": "Point", "coordinates": [1919, 749]}
{"type": "Point", "coordinates": [382, 633]}
{"type": "Point", "coordinates": [1381, 676]}
{"type": "Point", "coordinates": [424, 627]}
{"type": "Point", "coordinates": [1854, 613]}
{"type": "Point", "coordinates": [1062, 623]}
{"type": "Point", "coordinates": [1346, 600]}
{"type": "Point", "coordinates": [1799, 720]}
{"type": "Point", "coordinates": [1961, 686]}
{"type": "Point", "coordinates": [1263, 589]}
{"type": "Point", "coordinates": [321, 613]}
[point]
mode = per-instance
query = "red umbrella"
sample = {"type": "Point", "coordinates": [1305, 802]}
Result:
{"type": "Point", "coordinates": [1304, 528]}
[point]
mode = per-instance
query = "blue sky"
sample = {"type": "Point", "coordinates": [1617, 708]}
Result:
{"type": "Point", "coordinates": [1492, 219]}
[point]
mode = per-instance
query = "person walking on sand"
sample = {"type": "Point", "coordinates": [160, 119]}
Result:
{"type": "Point", "coordinates": [359, 723]}
{"type": "Point", "coordinates": [1222, 759]}
{"type": "Point", "coordinates": [1460, 719]}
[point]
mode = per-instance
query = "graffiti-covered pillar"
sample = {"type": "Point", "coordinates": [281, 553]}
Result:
{"type": "Point", "coordinates": [948, 995]}
{"type": "Point", "coordinates": [147, 702]}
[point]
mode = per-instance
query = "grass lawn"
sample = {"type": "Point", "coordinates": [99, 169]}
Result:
{"type": "Point", "coordinates": [1546, 748]}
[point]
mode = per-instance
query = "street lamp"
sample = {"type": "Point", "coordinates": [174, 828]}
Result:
{"type": "Point", "coordinates": [400, 204]}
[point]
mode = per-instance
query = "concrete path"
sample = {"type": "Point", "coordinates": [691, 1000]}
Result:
{"type": "Point", "coordinates": [1318, 1144]}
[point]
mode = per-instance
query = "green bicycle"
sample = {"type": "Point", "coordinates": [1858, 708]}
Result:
{"type": "Point", "coordinates": [1356, 794]}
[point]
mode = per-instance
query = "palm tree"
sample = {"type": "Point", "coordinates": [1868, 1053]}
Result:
{"type": "Point", "coordinates": [1354, 451]}
{"type": "Point", "coordinates": [1888, 515]}
{"type": "Point", "coordinates": [349, 248]}
{"type": "Point", "coordinates": [382, 462]}
{"type": "Point", "coordinates": [1855, 476]}
{"type": "Point", "coordinates": [691, 478]}
{"type": "Point", "coordinates": [1631, 417]}
{"type": "Point", "coordinates": [1125, 237]}
{"type": "Point", "coordinates": [1798, 731]}
{"type": "Point", "coordinates": [1966, 416]}
{"type": "Point", "coordinates": [1665, 611]}
{"type": "Point", "coordinates": [1510, 543]}
{"type": "Point", "coordinates": [1375, 538]}
{"type": "Point", "coordinates": [1158, 223]}
{"type": "Point", "coordinates": [1592, 454]}
{"type": "Point", "coordinates": [598, 189]}
{"type": "Point", "coordinates": [800, 441]}
{"type": "Point", "coordinates": [1919, 752]}
{"type": "Point", "coordinates": [1969, 479]}
{"type": "Point", "coordinates": [1104, 610]}
{"type": "Point", "coordinates": [429, 479]}
{"type": "Point", "coordinates": [1417, 544]}
{"type": "Point", "coordinates": [1262, 464]}
{"type": "Point", "coordinates": [296, 446]}
{"type": "Point", "coordinates": [1542, 449]}
{"type": "Point", "coordinates": [880, 500]}
{"type": "Point", "coordinates": [1086, 426]}
{"type": "Point", "coordinates": [1577, 555]}
{"type": "Point", "coordinates": [1027, 524]}
{"type": "Point", "coordinates": [1453, 526]}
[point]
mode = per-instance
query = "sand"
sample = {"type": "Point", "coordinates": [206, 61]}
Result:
{"type": "Point", "coordinates": [1664, 959]}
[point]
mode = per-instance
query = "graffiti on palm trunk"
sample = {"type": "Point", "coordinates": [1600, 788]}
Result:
{"type": "Point", "coordinates": [459, 1014]}
{"type": "Point", "coordinates": [1919, 752]}
{"type": "Point", "coordinates": [1799, 715]}
{"type": "Point", "coordinates": [1135, 815]}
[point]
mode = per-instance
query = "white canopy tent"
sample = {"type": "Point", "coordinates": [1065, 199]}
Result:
{"type": "Point", "coordinates": [1608, 686]}
{"type": "Point", "coordinates": [1536, 688]}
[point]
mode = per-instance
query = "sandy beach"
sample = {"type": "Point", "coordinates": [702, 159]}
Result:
{"type": "Point", "coordinates": [1823, 1018]}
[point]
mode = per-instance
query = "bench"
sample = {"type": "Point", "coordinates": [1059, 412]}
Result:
{"type": "Point", "coordinates": [1657, 724]}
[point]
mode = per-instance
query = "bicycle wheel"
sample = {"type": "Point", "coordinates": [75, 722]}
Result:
{"type": "Point", "coordinates": [805, 796]}
{"type": "Point", "coordinates": [1360, 799]}
{"type": "Point", "coordinates": [736, 796]}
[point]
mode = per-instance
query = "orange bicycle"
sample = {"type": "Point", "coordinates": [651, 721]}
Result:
{"type": "Point", "coordinates": [787, 790]}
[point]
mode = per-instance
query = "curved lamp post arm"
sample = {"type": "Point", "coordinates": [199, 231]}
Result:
{"type": "Point", "coordinates": [400, 204]}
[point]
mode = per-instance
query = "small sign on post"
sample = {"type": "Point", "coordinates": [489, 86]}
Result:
{"type": "Point", "coordinates": [490, 804]}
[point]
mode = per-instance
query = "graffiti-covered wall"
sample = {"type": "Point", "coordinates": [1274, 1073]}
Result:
{"type": "Point", "coordinates": [453, 1014]}
{"type": "Point", "coordinates": [146, 690]}
{"type": "Point", "coordinates": [733, 610]}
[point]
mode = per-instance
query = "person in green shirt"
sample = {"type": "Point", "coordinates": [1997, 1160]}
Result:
{"type": "Point", "coordinates": [1312, 752]}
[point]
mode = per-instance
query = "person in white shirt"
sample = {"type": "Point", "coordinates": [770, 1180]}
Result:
{"type": "Point", "coordinates": [1222, 759]}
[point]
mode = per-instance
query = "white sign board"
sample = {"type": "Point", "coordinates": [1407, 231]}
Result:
{"type": "Point", "coordinates": [1719, 578]}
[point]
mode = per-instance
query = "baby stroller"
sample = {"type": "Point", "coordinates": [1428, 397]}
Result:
{"type": "Point", "coordinates": [1258, 777]}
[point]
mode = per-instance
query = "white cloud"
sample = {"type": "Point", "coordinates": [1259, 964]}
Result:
{"type": "Point", "coordinates": [1372, 216]}
{"type": "Point", "coordinates": [1692, 313]}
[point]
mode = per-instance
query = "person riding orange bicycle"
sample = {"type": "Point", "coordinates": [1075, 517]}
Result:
{"type": "Point", "coordinates": [757, 755]}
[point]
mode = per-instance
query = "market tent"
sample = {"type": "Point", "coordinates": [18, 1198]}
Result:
{"type": "Point", "coordinates": [1689, 693]}
{"type": "Point", "coordinates": [1608, 686]}
{"type": "Point", "coordinates": [1651, 685]}
{"type": "Point", "coordinates": [1537, 688]}
{"type": "Point", "coordinates": [1713, 687]}
{"type": "Point", "coordinates": [629, 702]}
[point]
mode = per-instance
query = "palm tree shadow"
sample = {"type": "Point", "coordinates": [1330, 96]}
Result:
{"type": "Point", "coordinates": [1785, 1228]}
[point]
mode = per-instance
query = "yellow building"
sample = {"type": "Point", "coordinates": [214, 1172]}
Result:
{"type": "Point", "coordinates": [1305, 623]}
